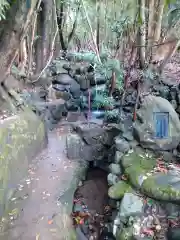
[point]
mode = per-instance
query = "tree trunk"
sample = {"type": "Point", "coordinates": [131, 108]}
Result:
{"type": "Point", "coordinates": [60, 17]}
{"type": "Point", "coordinates": [160, 11]}
{"type": "Point", "coordinates": [44, 32]}
{"type": "Point", "coordinates": [54, 26]}
{"type": "Point", "coordinates": [151, 24]}
{"type": "Point", "coordinates": [98, 25]}
{"type": "Point", "coordinates": [17, 20]}
{"type": "Point", "coordinates": [48, 6]}
{"type": "Point", "coordinates": [72, 33]}
{"type": "Point", "coordinates": [23, 55]}
{"type": "Point", "coordinates": [141, 36]}
{"type": "Point", "coordinates": [39, 41]}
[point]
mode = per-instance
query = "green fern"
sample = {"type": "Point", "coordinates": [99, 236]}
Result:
{"type": "Point", "coordinates": [102, 100]}
{"type": "Point", "coordinates": [112, 114]}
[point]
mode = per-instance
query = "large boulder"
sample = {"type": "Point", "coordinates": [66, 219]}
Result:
{"type": "Point", "coordinates": [82, 81]}
{"type": "Point", "coordinates": [57, 66]}
{"type": "Point", "coordinates": [94, 152]}
{"type": "Point", "coordinates": [115, 169]}
{"type": "Point", "coordinates": [93, 133]}
{"type": "Point", "coordinates": [97, 140]}
{"type": "Point", "coordinates": [90, 142]}
{"type": "Point", "coordinates": [97, 79]}
{"type": "Point", "coordinates": [51, 112]}
{"type": "Point", "coordinates": [78, 149]}
{"type": "Point", "coordinates": [70, 84]}
{"type": "Point", "coordinates": [143, 174]}
{"type": "Point", "coordinates": [163, 186]}
{"type": "Point", "coordinates": [145, 129]}
{"type": "Point", "coordinates": [118, 190]}
{"type": "Point", "coordinates": [74, 145]}
{"type": "Point", "coordinates": [121, 144]}
{"type": "Point", "coordinates": [131, 205]}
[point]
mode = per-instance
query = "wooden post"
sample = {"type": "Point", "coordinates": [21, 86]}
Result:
{"type": "Point", "coordinates": [89, 105]}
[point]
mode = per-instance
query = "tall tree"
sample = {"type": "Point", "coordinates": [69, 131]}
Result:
{"type": "Point", "coordinates": [15, 27]}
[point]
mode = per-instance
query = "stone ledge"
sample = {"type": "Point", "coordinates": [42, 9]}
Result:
{"type": "Point", "coordinates": [22, 137]}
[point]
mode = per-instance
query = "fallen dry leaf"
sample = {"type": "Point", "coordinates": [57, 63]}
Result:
{"type": "Point", "coordinates": [15, 211]}
{"type": "Point", "coordinates": [50, 222]}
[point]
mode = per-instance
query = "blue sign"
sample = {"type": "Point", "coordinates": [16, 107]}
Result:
{"type": "Point", "coordinates": [161, 121]}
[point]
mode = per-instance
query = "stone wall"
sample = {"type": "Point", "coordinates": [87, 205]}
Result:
{"type": "Point", "coordinates": [143, 171]}
{"type": "Point", "coordinates": [21, 138]}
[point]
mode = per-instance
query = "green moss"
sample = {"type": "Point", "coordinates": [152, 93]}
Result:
{"type": "Point", "coordinates": [137, 165]}
{"type": "Point", "coordinates": [72, 235]}
{"type": "Point", "coordinates": [41, 131]}
{"type": "Point", "coordinates": [118, 190]}
{"type": "Point", "coordinates": [125, 234]}
{"type": "Point", "coordinates": [166, 193]}
{"type": "Point", "coordinates": [142, 161]}
{"type": "Point", "coordinates": [19, 137]}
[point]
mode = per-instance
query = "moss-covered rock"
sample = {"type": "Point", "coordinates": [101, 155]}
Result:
{"type": "Point", "coordinates": [136, 166]}
{"type": "Point", "coordinates": [21, 138]}
{"type": "Point", "coordinates": [168, 191]}
{"type": "Point", "coordinates": [144, 127]}
{"type": "Point", "coordinates": [118, 190]}
{"type": "Point", "coordinates": [140, 170]}
{"type": "Point", "coordinates": [73, 235]}
{"type": "Point", "coordinates": [125, 234]}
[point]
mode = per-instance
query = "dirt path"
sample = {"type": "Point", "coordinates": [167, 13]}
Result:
{"type": "Point", "coordinates": [39, 213]}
